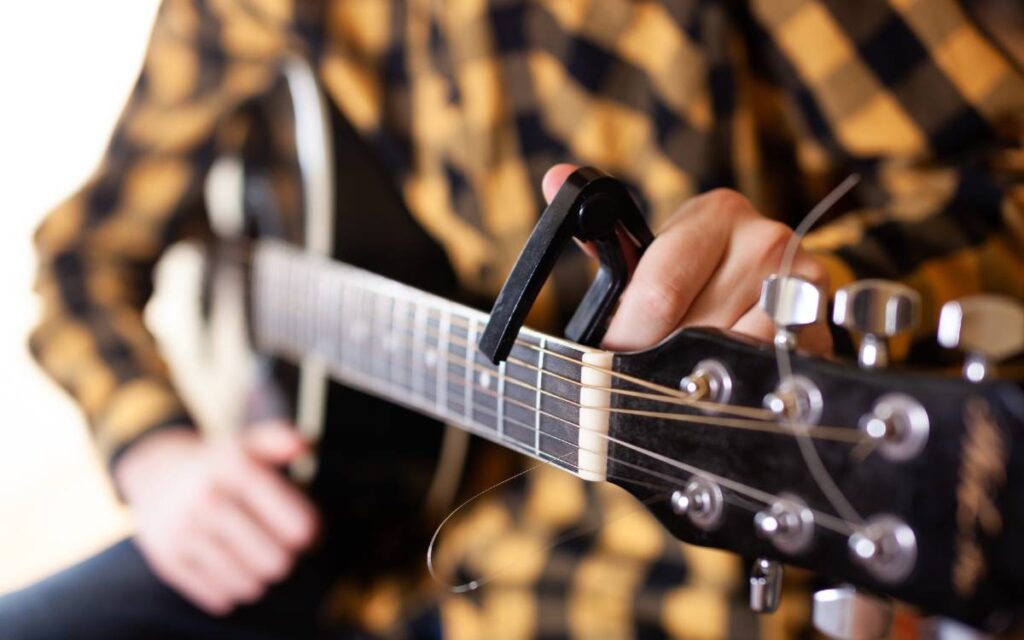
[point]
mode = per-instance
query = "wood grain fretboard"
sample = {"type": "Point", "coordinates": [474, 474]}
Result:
{"type": "Point", "coordinates": [419, 350]}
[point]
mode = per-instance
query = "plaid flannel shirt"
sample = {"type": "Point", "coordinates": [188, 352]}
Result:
{"type": "Point", "coordinates": [468, 102]}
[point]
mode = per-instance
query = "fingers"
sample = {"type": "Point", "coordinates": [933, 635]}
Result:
{"type": "Point", "coordinates": [671, 274]}
{"type": "Point", "coordinates": [705, 269]}
{"type": "Point", "coordinates": [259, 554]}
{"type": "Point", "coordinates": [210, 562]}
{"type": "Point", "coordinates": [554, 178]}
{"type": "Point", "coordinates": [181, 576]}
{"type": "Point", "coordinates": [274, 443]}
{"type": "Point", "coordinates": [283, 511]}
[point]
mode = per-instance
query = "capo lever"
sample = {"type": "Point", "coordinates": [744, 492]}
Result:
{"type": "Point", "coordinates": [591, 206]}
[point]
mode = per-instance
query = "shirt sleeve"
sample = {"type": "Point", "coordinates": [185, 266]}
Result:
{"type": "Point", "coordinates": [97, 250]}
{"type": "Point", "coordinates": [946, 231]}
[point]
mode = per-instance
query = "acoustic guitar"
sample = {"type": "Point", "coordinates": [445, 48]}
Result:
{"type": "Point", "coordinates": [888, 481]}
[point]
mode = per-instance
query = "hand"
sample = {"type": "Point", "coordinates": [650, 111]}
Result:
{"type": "Point", "coordinates": [214, 518]}
{"type": "Point", "coordinates": [705, 268]}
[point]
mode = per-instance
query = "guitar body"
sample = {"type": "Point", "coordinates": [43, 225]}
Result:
{"type": "Point", "coordinates": [376, 461]}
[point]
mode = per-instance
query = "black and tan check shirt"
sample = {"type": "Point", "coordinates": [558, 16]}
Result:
{"type": "Point", "coordinates": [468, 102]}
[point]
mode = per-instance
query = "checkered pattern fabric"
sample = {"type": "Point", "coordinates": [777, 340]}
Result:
{"type": "Point", "coordinates": [468, 102]}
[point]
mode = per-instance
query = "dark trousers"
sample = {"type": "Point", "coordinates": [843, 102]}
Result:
{"type": "Point", "coordinates": [114, 595]}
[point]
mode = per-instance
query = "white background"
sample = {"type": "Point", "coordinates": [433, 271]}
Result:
{"type": "Point", "coordinates": [65, 70]}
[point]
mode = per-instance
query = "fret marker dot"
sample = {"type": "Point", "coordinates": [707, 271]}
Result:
{"type": "Point", "coordinates": [485, 379]}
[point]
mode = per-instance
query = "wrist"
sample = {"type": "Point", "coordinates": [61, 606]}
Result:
{"type": "Point", "coordinates": [148, 454]}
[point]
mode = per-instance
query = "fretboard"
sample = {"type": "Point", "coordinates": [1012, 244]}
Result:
{"type": "Point", "coordinates": [419, 350]}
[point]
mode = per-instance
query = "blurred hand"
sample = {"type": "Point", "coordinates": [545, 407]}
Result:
{"type": "Point", "coordinates": [214, 518]}
{"type": "Point", "coordinates": [705, 268]}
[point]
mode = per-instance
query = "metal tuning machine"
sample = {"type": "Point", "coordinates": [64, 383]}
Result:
{"type": "Point", "coordinates": [792, 303]}
{"type": "Point", "coordinates": [848, 614]}
{"type": "Point", "coordinates": [593, 207]}
{"type": "Point", "coordinates": [988, 328]}
{"type": "Point", "coordinates": [877, 310]}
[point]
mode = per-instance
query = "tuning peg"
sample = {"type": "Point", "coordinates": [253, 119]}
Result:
{"type": "Point", "coordinates": [989, 328]}
{"type": "Point", "coordinates": [877, 309]}
{"type": "Point", "coordinates": [847, 614]}
{"type": "Point", "coordinates": [765, 586]}
{"type": "Point", "coordinates": [791, 302]}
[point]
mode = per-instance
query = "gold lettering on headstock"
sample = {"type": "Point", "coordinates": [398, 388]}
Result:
{"type": "Point", "coordinates": [982, 472]}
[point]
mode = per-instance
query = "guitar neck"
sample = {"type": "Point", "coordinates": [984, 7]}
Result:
{"type": "Point", "coordinates": [419, 350]}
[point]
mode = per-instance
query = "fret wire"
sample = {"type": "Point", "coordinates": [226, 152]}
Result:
{"type": "Point", "coordinates": [442, 358]}
{"type": "Point", "coordinates": [501, 401]}
{"type": "Point", "coordinates": [392, 339]}
{"type": "Point", "coordinates": [339, 305]}
{"type": "Point", "coordinates": [470, 338]}
{"type": "Point", "coordinates": [418, 381]}
{"type": "Point", "coordinates": [540, 382]}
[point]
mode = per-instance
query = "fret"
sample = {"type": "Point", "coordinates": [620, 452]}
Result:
{"type": "Point", "coordinates": [428, 357]}
{"type": "Point", "coordinates": [470, 382]}
{"type": "Point", "coordinates": [380, 325]}
{"type": "Point", "coordinates": [361, 334]}
{"type": "Point", "coordinates": [500, 401]}
{"type": "Point", "coordinates": [519, 414]}
{"type": "Point", "coordinates": [486, 388]}
{"type": "Point", "coordinates": [291, 317]}
{"type": "Point", "coordinates": [456, 371]}
{"type": "Point", "coordinates": [441, 357]}
{"type": "Point", "coordinates": [559, 433]}
{"type": "Point", "coordinates": [336, 327]}
{"type": "Point", "coordinates": [421, 351]}
{"type": "Point", "coordinates": [417, 370]}
{"type": "Point", "coordinates": [537, 399]}
{"type": "Point", "coordinates": [394, 344]}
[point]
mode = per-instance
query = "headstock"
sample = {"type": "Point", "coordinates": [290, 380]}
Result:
{"type": "Point", "coordinates": [913, 486]}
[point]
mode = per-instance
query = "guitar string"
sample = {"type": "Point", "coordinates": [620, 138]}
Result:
{"type": "Point", "coordinates": [435, 312]}
{"type": "Point", "coordinates": [576, 532]}
{"type": "Point", "coordinates": [762, 497]}
{"type": "Point", "coordinates": [678, 397]}
{"type": "Point", "coordinates": [822, 432]}
{"type": "Point", "coordinates": [367, 293]}
{"type": "Point", "coordinates": [826, 483]}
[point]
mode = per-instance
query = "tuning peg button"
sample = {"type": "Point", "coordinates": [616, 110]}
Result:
{"type": "Point", "coordinates": [876, 309]}
{"type": "Point", "coordinates": [989, 328]}
{"type": "Point", "coordinates": [791, 302]}
{"type": "Point", "coordinates": [765, 586]}
{"type": "Point", "coordinates": [847, 614]}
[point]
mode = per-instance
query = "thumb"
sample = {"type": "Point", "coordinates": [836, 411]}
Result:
{"type": "Point", "coordinates": [554, 179]}
{"type": "Point", "coordinates": [275, 442]}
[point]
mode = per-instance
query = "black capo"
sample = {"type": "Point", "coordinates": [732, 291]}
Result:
{"type": "Point", "coordinates": [590, 206]}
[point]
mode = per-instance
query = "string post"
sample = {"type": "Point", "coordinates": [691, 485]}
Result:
{"type": "Point", "coordinates": [898, 424]}
{"type": "Point", "coordinates": [885, 547]}
{"type": "Point", "coordinates": [797, 399]}
{"type": "Point", "coordinates": [710, 380]}
{"type": "Point", "coordinates": [701, 501]}
{"type": "Point", "coordinates": [788, 523]}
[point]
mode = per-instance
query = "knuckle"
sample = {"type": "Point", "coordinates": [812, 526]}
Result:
{"type": "Point", "coordinates": [728, 201]}
{"type": "Point", "coordinates": [815, 272]}
{"type": "Point", "coordinates": [277, 567]}
{"type": "Point", "coordinates": [660, 301]}
{"type": "Point", "coordinates": [774, 238]}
